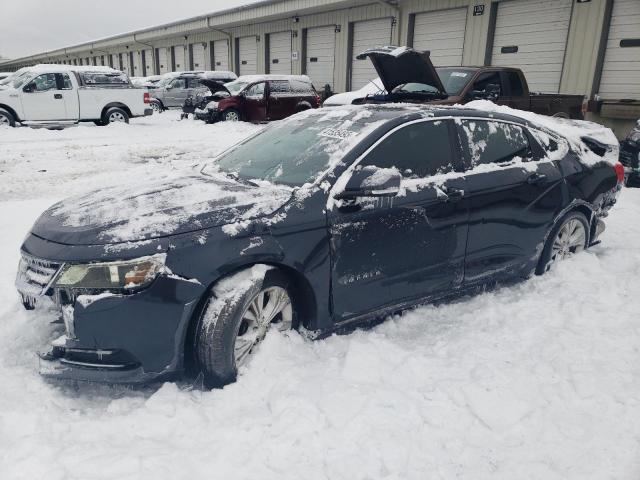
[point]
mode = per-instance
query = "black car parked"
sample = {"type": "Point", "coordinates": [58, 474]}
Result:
{"type": "Point", "coordinates": [322, 221]}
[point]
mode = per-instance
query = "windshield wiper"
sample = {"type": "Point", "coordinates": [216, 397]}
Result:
{"type": "Point", "coordinates": [236, 176]}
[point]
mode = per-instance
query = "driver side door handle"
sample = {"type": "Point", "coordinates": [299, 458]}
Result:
{"type": "Point", "coordinates": [57, 96]}
{"type": "Point", "coordinates": [451, 194]}
{"type": "Point", "coordinates": [536, 178]}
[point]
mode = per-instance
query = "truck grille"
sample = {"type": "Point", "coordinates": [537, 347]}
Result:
{"type": "Point", "coordinates": [34, 277]}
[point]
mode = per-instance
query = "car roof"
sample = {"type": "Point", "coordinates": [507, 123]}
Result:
{"type": "Point", "coordinates": [262, 78]}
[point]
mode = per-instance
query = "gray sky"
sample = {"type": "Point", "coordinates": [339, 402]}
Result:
{"type": "Point", "coordinates": [33, 26]}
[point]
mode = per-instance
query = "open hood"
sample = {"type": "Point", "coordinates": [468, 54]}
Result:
{"type": "Point", "coordinates": [400, 65]}
{"type": "Point", "coordinates": [214, 85]}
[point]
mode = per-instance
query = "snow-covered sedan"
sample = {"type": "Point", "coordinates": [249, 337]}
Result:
{"type": "Point", "coordinates": [325, 220]}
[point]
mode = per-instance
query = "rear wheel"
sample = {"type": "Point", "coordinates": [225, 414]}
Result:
{"type": "Point", "coordinates": [115, 115]}
{"type": "Point", "coordinates": [6, 118]}
{"type": "Point", "coordinates": [231, 115]}
{"type": "Point", "coordinates": [568, 237]}
{"type": "Point", "coordinates": [236, 319]}
{"type": "Point", "coordinates": [156, 107]}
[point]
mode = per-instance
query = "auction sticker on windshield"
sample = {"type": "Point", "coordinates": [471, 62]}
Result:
{"type": "Point", "coordinates": [336, 133]}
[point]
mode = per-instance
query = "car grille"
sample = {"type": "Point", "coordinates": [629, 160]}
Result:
{"type": "Point", "coordinates": [34, 277]}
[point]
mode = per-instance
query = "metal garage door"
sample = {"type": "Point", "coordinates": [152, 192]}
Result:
{"type": "Point", "coordinates": [442, 33]}
{"type": "Point", "coordinates": [148, 63]}
{"type": "Point", "coordinates": [198, 56]}
{"type": "Point", "coordinates": [115, 61]}
{"type": "Point", "coordinates": [137, 64]}
{"type": "Point", "coordinates": [368, 34]}
{"type": "Point", "coordinates": [126, 67]}
{"type": "Point", "coordinates": [247, 55]}
{"type": "Point", "coordinates": [621, 69]}
{"type": "Point", "coordinates": [164, 59]}
{"type": "Point", "coordinates": [320, 56]}
{"type": "Point", "coordinates": [532, 35]}
{"type": "Point", "coordinates": [179, 57]}
{"type": "Point", "coordinates": [220, 55]}
{"type": "Point", "coordinates": [280, 53]}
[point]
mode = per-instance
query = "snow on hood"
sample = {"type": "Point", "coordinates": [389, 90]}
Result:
{"type": "Point", "coordinates": [347, 98]}
{"type": "Point", "coordinates": [157, 207]}
{"type": "Point", "coordinates": [571, 130]}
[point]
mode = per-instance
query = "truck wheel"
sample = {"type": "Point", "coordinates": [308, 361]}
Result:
{"type": "Point", "coordinates": [236, 318]}
{"type": "Point", "coordinates": [231, 115]}
{"type": "Point", "coordinates": [156, 107]}
{"type": "Point", "coordinates": [115, 115]}
{"type": "Point", "coordinates": [6, 118]}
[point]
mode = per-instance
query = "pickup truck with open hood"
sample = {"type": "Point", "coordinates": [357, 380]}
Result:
{"type": "Point", "coordinates": [58, 95]}
{"type": "Point", "coordinates": [409, 76]}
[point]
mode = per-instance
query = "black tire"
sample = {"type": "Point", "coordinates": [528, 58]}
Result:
{"type": "Point", "coordinates": [220, 322]}
{"type": "Point", "coordinates": [115, 115]}
{"type": "Point", "coordinates": [156, 106]}
{"type": "Point", "coordinates": [545, 261]}
{"type": "Point", "coordinates": [231, 115]}
{"type": "Point", "coordinates": [6, 118]}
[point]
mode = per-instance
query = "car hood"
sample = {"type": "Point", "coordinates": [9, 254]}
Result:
{"type": "Point", "coordinates": [214, 85]}
{"type": "Point", "coordinates": [399, 65]}
{"type": "Point", "coordinates": [157, 208]}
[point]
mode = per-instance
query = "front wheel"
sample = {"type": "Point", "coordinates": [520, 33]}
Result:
{"type": "Point", "coordinates": [231, 115]}
{"type": "Point", "coordinates": [6, 118]}
{"type": "Point", "coordinates": [115, 115]}
{"type": "Point", "coordinates": [236, 318]}
{"type": "Point", "coordinates": [569, 236]}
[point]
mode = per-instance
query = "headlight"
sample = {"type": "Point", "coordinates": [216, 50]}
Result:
{"type": "Point", "coordinates": [126, 275]}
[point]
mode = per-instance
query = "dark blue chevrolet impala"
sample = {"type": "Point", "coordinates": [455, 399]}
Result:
{"type": "Point", "coordinates": [324, 221]}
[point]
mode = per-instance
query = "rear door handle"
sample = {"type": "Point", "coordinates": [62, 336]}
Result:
{"type": "Point", "coordinates": [57, 96]}
{"type": "Point", "coordinates": [452, 195]}
{"type": "Point", "coordinates": [536, 178]}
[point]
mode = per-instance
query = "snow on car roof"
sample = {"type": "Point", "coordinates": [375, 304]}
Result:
{"type": "Point", "coordinates": [259, 78]}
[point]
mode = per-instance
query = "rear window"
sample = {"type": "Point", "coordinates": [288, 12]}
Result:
{"type": "Point", "coordinates": [94, 78]}
{"type": "Point", "coordinates": [298, 86]}
{"type": "Point", "coordinates": [279, 86]}
{"type": "Point", "coordinates": [489, 142]}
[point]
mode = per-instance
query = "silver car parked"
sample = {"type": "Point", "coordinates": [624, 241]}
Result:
{"type": "Point", "coordinates": [174, 88]}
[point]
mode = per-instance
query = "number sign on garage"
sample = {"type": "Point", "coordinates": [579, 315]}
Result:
{"type": "Point", "coordinates": [247, 55]}
{"type": "Point", "coordinates": [367, 34]}
{"type": "Point", "coordinates": [621, 70]}
{"type": "Point", "coordinates": [532, 35]}
{"type": "Point", "coordinates": [320, 55]}
{"type": "Point", "coordinates": [280, 53]}
{"type": "Point", "coordinates": [442, 33]}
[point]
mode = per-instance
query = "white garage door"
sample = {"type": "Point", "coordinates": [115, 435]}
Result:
{"type": "Point", "coordinates": [148, 63]}
{"type": "Point", "coordinates": [137, 64]}
{"type": "Point", "coordinates": [621, 69]}
{"type": "Point", "coordinates": [115, 61]}
{"type": "Point", "coordinates": [180, 64]}
{"type": "Point", "coordinates": [248, 55]}
{"type": "Point", "coordinates": [280, 53]}
{"type": "Point", "coordinates": [442, 33]}
{"type": "Point", "coordinates": [220, 55]}
{"type": "Point", "coordinates": [164, 60]}
{"type": "Point", "coordinates": [368, 34]}
{"type": "Point", "coordinates": [320, 61]}
{"type": "Point", "coordinates": [126, 67]}
{"type": "Point", "coordinates": [532, 35]}
{"type": "Point", "coordinates": [198, 56]}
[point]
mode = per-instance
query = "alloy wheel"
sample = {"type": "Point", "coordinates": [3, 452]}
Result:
{"type": "Point", "coordinates": [116, 117]}
{"type": "Point", "coordinates": [231, 117]}
{"type": "Point", "coordinates": [4, 120]}
{"type": "Point", "coordinates": [271, 306]}
{"type": "Point", "coordinates": [155, 107]}
{"type": "Point", "coordinates": [570, 239]}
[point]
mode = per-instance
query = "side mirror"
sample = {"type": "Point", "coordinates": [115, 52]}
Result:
{"type": "Point", "coordinates": [29, 88]}
{"type": "Point", "coordinates": [372, 181]}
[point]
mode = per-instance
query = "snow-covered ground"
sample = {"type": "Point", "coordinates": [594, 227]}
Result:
{"type": "Point", "coordinates": [540, 380]}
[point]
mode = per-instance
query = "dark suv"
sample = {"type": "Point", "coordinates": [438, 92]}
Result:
{"type": "Point", "coordinates": [260, 98]}
{"type": "Point", "coordinates": [320, 222]}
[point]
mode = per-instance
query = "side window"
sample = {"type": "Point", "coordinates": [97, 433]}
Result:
{"type": "Point", "coordinates": [194, 83]}
{"type": "Point", "coordinates": [488, 82]}
{"type": "Point", "coordinates": [179, 83]}
{"type": "Point", "coordinates": [418, 150]}
{"type": "Point", "coordinates": [553, 147]}
{"type": "Point", "coordinates": [256, 90]}
{"type": "Point", "coordinates": [277, 87]}
{"type": "Point", "coordinates": [515, 84]}
{"type": "Point", "coordinates": [488, 142]}
{"type": "Point", "coordinates": [65, 81]}
{"type": "Point", "coordinates": [43, 83]}
{"type": "Point", "coordinates": [299, 86]}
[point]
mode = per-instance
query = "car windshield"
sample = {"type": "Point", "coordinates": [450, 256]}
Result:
{"type": "Point", "coordinates": [164, 81]}
{"type": "Point", "coordinates": [235, 87]}
{"type": "Point", "coordinates": [415, 88]}
{"type": "Point", "coordinates": [454, 79]}
{"type": "Point", "coordinates": [297, 150]}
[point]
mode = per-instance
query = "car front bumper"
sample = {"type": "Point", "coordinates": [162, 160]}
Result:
{"type": "Point", "coordinates": [113, 338]}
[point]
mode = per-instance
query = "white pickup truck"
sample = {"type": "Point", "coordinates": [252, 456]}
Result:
{"type": "Point", "coordinates": [64, 94]}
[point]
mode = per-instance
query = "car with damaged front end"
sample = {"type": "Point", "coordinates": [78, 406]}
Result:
{"type": "Point", "coordinates": [323, 221]}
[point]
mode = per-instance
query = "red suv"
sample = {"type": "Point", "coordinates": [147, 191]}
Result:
{"type": "Point", "coordinates": [259, 98]}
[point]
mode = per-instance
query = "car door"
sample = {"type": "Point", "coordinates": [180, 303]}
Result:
{"type": "Point", "coordinates": [513, 193]}
{"type": "Point", "coordinates": [69, 96]}
{"type": "Point", "coordinates": [386, 251]}
{"type": "Point", "coordinates": [279, 99]}
{"type": "Point", "coordinates": [513, 91]}
{"type": "Point", "coordinates": [254, 103]}
{"type": "Point", "coordinates": [41, 99]}
{"type": "Point", "coordinates": [176, 95]}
